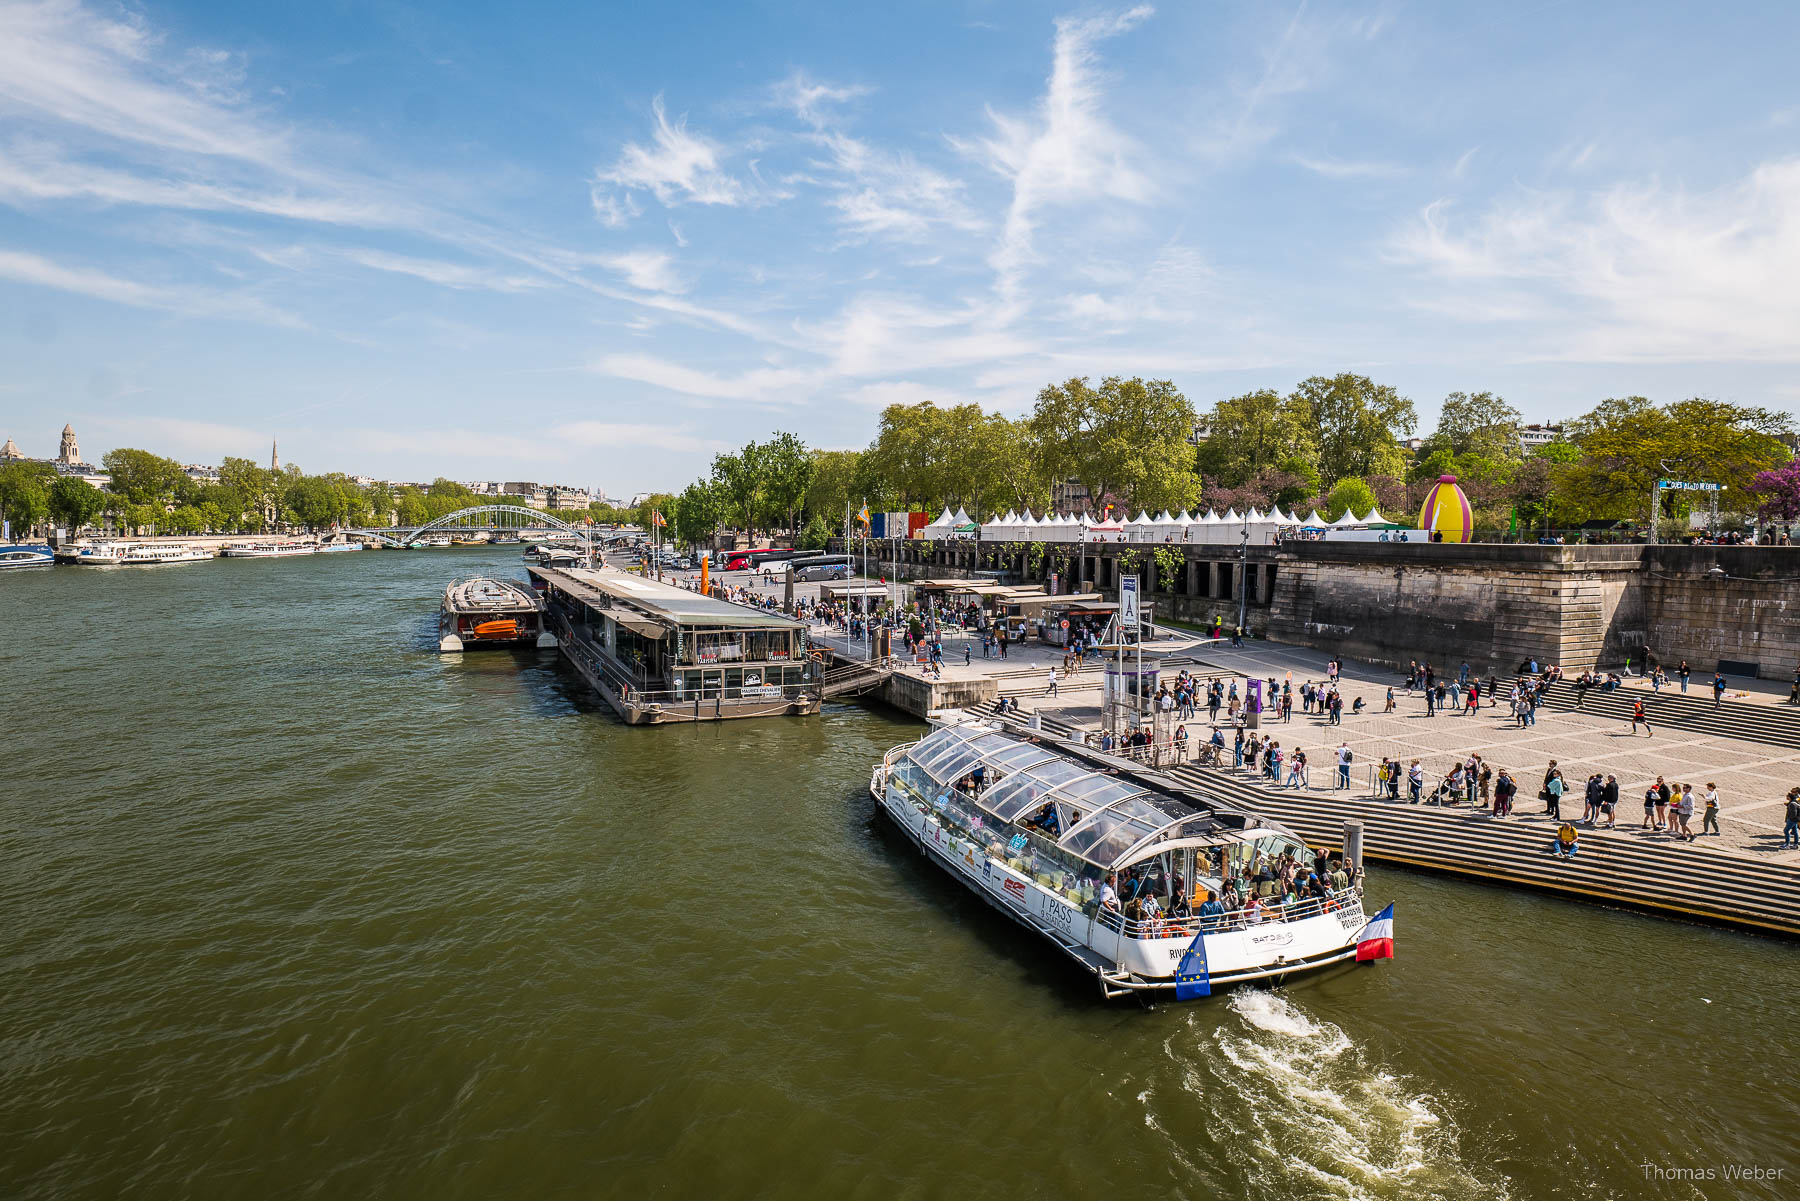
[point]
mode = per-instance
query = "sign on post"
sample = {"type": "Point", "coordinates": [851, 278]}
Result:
{"type": "Point", "coordinates": [1128, 603]}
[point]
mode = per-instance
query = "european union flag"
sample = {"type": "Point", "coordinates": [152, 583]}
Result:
{"type": "Point", "coordinates": [1192, 980]}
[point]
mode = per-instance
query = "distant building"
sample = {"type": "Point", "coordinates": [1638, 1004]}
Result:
{"type": "Point", "coordinates": [10, 451]}
{"type": "Point", "coordinates": [1412, 444]}
{"type": "Point", "coordinates": [1533, 436]}
{"type": "Point", "coordinates": [200, 473]}
{"type": "Point", "coordinates": [564, 499]}
{"type": "Point", "coordinates": [70, 454]}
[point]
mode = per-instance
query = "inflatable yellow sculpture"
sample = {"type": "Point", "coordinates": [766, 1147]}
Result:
{"type": "Point", "coordinates": [1446, 515]}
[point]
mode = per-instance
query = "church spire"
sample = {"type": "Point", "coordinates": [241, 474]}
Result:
{"type": "Point", "coordinates": [274, 455]}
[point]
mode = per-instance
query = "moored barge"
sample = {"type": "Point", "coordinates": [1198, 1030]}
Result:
{"type": "Point", "coordinates": [657, 653]}
{"type": "Point", "coordinates": [483, 612]}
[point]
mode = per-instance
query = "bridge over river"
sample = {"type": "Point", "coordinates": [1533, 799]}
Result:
{"type": "Point", "coordinates": [495, 519]}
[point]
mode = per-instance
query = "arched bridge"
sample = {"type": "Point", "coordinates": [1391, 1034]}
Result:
{"type": "Point", "coordinates": [492, 519]}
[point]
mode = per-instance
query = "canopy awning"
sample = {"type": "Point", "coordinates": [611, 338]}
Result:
{"type": "Point", "coordinates": [643, 627]}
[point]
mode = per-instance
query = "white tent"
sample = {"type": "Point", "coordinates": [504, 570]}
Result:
{"type": "Point", "coordinates": [1231, 515]}
{"type": "Point", "coordinates": [1314, 521]}
{"type": "Point", "coordinates": [1346, 521]}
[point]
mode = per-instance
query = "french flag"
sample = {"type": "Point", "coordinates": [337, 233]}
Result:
{"type": "Point", "coordinates": [1377, 938]}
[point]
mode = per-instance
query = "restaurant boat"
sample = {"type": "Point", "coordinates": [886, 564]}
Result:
{"type": "Point", "coordinates": [1034, 827]}
{"type": "Point", "coordinates": [156, 554]}
{"type": "Point", "coordinates": [269, 550]}
{"type": "Point", "coordinates": [483, 612]}
{"type": "Point", "coordinates": [15, 556]}
{"type": "Point", "coordinates": [657, 653]}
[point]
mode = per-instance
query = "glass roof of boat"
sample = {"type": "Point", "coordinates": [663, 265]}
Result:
{"type": "Point", "coordinates": [1116, 816]}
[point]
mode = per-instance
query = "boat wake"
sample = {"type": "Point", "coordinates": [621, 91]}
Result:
{"type": "Point", "coordinates": [1305, 1113]}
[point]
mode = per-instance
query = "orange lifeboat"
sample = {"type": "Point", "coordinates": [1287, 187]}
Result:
{"type": "Point", "coordinates": [507, 628]}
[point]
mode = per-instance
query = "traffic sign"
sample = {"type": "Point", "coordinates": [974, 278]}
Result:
{"type": "Point", "coordinates": [1065, 623]}
{"type": "Point", "coordinates": [1685, 486]}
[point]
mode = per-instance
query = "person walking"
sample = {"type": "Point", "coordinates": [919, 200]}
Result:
{"type": "Point", "coordinates": [1430, 703]}
{"type": "Point", "coordinates": [1344, 756]}
{"type": "Point", "coordinates": [1790, 832]}
{"type": "Point", "coordinates": [1295, 765]}
{"type": "Point", "coordinates": [1415, 781]}
{"type": "Point", "coordinates": [1710, 819]}
{"type": "Point", "coordinates": [1682, 671]}
{"type": "Point", "coordinates": [1637, 715]}
{"type": "Point", "coordinates": [1051, 691]}
{"type": "Point", "coordinates": [1389, 707]}
{"type": "Point", "coordinates": [1718, 689]}
{"type": "Point", "coordinates": [1474, 702]}
{"type": "Point", "coordinates": [1504, 788]}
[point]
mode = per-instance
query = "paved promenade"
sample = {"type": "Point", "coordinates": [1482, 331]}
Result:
{"type": "Point", "coordinates": [1753, 778]}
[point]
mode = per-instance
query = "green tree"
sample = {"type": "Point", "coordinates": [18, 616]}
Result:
{"type": "Point", "coordinates": [25, 495]}
{"type": "Point", "coordinates": [1481, 423]}
{"type": "Point", "coordinates": [834, 482]}
{"type": "Point", "coordinates": [698, 512]}
{"type": "Point", "coordinates": [1255, 431]}
{"type": "Point", "coordinates": [1128, 439]}
{"type": "Point", "coordinates": [787, 471]}
{"type": "Point", "coordinates": [1349, 495]}
{"type": "Point", "coordinates": [141, 477]}
{"type": "Point", "coordinates": [1358, 422]}
{"type": "Point", "coordinates": [740, 478]}
{"type": "Point", "coordinates": [1627, 443]}
{"type": "Point", "coordinates": [1012, 462]}
{"type": "Point", "coordinates": [73, 502]}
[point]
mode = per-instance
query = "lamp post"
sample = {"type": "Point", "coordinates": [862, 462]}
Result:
{"type": "Point", "coordinates": [1243, 571]}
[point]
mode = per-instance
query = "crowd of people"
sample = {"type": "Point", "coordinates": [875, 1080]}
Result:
{"type": "Point", "coordinates": [1268, 891]}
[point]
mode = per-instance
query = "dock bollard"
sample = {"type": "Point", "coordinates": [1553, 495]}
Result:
{"type": "Point", "coordinates": [1353, 832]}
{"type": "Point", "coordinates": [1037, 720]}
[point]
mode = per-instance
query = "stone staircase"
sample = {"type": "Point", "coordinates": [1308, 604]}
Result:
{"type": "Point", "coordinates": [1775, 724]}
{"type": "Point", "coordinates": [1682, 880]}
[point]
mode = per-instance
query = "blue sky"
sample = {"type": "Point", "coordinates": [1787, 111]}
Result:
{"type": "Point", "coordinates": [596, 246]}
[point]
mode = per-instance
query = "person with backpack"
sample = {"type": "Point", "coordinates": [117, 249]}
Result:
{"type": "Point", "coordinates": [1504, 788]}
{"type": "Point", "coordinates": [1344, 756]}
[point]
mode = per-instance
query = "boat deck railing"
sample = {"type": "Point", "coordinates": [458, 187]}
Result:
{"type": "Point", "coordinates": [1265, 915]}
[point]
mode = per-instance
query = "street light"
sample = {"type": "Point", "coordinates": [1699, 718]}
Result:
{"type": "Point", "coordinates": [1243, 570]}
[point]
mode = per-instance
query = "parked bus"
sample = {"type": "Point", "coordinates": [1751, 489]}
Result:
{"type": "Point", "coordinates": [751, 560]}
{"type": "Point", "coordinates": [820, 567]}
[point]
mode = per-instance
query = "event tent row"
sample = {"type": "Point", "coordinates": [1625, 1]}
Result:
{"type": "Point", "coordinates": [1184, 528]}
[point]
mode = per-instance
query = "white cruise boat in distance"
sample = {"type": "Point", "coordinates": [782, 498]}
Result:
{"type": "Point", "coordinates": [94, 554]}
{"type": "Point", "coordinates": [1034, 826]}
{"type": "Point", "coordinates": [269, 550]}
{"type": "Point", "coordinates": [151, 554]}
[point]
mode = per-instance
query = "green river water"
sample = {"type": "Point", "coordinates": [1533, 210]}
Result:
{"type": "Point", "coordinates": [293, 907]}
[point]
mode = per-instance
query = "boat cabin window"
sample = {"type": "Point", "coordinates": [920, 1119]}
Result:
{"type": "Point", "coordinates": [1109, 834]}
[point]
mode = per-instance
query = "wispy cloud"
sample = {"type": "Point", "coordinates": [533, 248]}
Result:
{"type": "Point", "coordinates": [676, 167]}
{"type": "Point", "coordinates": [1067, 150]}
{"type": "Point", "coordinates": [28, 268]}
{"type": "Point", "coordinates": [1332, 168]}
{"type": "Point", "coordinates": [1636, 272]}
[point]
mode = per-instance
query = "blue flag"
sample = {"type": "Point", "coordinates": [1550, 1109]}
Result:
{"type": "Point", "coordinates": [1192, 980]}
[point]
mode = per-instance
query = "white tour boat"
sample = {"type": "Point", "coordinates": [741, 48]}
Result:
{"type": "Point", "coordinates": [1035, 827]}
{"type": "Point", "coordinates": [337, 548]}
{"type": "Point", "coordinates": [151, 554]}
{"type": "Point", "coordinates": [269, 550]}
{"type": "Point", "coordinates": [94, 554]}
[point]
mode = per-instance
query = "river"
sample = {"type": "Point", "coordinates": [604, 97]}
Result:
{"type": "Point", "coordinates": [295, 907]}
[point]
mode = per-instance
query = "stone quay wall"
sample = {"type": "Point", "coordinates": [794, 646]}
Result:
{"type": "Point", "coordinates": [1497, 605]}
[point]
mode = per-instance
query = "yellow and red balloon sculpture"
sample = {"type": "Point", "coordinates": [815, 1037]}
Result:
{"type": "Point", "coordinates": [1446, 515]}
